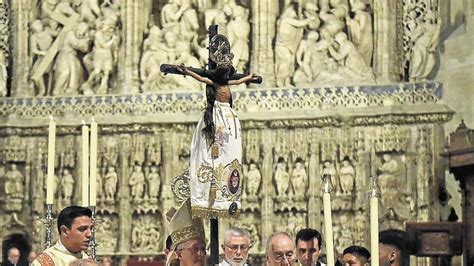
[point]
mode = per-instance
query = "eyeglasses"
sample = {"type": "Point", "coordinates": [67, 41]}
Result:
{"type": "Point", "coordinates": [279, 257]}
{"type": "Point", "coordinates": [234, 248]}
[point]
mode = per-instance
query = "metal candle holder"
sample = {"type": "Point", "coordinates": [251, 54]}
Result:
{"type": "Point", "coordinates": [327, 186]}
{"type": "Point", "coordinates": [92, 243]}
{"type": "Point", "coordinates": [374, 189]}
{"type": "Point", "coordinates": [48, 221]}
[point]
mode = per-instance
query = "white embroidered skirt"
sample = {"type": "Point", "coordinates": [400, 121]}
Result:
{"type": "Point", "coordinates": [225, 170]}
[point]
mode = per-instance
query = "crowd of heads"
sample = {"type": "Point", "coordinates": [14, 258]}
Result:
{"type": "Point", "coordinates": [306, 248]}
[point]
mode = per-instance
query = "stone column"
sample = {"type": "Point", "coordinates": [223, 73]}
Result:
{"type": "Point", "coordinates": [133, 28]}
{"type": "Point", "coordinates": [386, 62]}
{"type": "Point", "coordinates": [264, 16]}
{"type": "Point", "coordinates": [314, 188]}
{"type": "Point", "coordinates": [125, 217]}
{"type": "Point", "coordinates": [21, 13]}
{"type": "Point", "coordinates": [267, 187]}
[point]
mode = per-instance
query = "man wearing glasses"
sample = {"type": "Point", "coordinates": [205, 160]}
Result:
{"type": "Point", "coordinates": [187, 236]}
{"type": "Point", "coordinates": [236, 247]}
{"type": "Point", "coordinates": [280, 250]}
{"type": "Point", "coordinates": [308, 247]}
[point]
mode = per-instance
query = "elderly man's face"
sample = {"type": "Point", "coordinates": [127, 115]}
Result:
{"type": "Point", "coordinates": [192, 253]}
{"type": "Point", "coordinates": [236, 250]}
{"type": "Point", "coordinates": [308, 251]}
{"type": "Point", "coordinates": [14, 255]}
{"type": "Point", "coordinates": [282, 251]}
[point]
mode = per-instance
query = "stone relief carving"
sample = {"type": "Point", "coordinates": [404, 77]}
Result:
{"type": "Point", "coordinates": [360, 30]}
{"type": "Point", "coordinates": [299, 180]}
{"type": "Point", "coordinates": [68, 69]}
{"type": "Point", "coordinates": [289, 34]}
{"type": "Point", "coordinates": [103, 57]}
{"type": "Point", "coordinates": [347, 177]}
{"type": "Point", "coordinates": [40, 43]}
{"type": "Point", "coordinates": [282, 179]}
{"type": "Point", "coordinates": [67, 186]}
{"type": "Point", "coordinates": [421, 28]}
{"type": "Point", "coordinates": [137, 183]}
{"type": "Point", "coordinates": [154, 183]}
{"type": "Point", "coordinates": [14, 183]}
{"type": "Point", "coordinates": [146, 234]}
{"type": "Point", "coordinates": [106, 238]}
{"type": "Point", "coordinates": [110, 184]}
{"type": "Point", "coordinates": [254, 179]}
{"type": "Point", "coordinates": [426, 38]}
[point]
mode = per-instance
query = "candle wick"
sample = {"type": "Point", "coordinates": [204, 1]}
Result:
{"type": "Point", "coordinates": [51, 117]}
{"type": "Point", "coordinates": [92, 119]}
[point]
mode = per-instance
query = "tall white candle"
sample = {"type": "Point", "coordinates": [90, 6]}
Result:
{"type": "Point", "coordinates": [51, 154]}
{"type": "Point", "coordinates": [328, 228]}
{"type": "Point", "coordinates": [93, 164]}
{"type": "Point", "coordinates": [374, 231]}
{"type": "Point", "coordinates": [326, 187]}
{"type": "Point", "coordinates": [374, 194]}
{"type": "Point", "coordinates": [85, 165]}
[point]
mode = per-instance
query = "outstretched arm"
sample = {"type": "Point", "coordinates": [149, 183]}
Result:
{"type": "Point", "coordinates": [194, 75]}
{"type": "Point", "coordinates": [242, 80]}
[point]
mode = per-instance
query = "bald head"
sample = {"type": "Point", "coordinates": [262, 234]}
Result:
{"type": "Point", "coordinates": [14, 255]}
{"type": "Point", "coordinates": [280, 250]}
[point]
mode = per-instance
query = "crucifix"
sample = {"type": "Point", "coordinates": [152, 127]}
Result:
{"type": "Point", "coordinates": [217, 131]}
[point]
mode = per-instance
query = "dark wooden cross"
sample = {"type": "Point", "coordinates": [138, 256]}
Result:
{"type": "Point", "coordinates": [173, 69]}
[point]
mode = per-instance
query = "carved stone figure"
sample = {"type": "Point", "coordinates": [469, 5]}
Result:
{"type": "Point", "coordinates": [61, 7]}
{"type": "Point", "coordinates": [111, 180]}
{"type": "Point", "coordinates": [360, 30]}
{"type": "Point", "coordinates": [90, 11]}
{"type": "Point", "coordinates": [352, 60]}
{"type": "Point", "coordinates": [105, 234]}
{"type": "Point", "coordinates": [289, 34]}
{"type": "Point", "coordinates": [282, 178]}
{"type": "Point", "coordinates": [68, 70]}
{"type": "Point", "coordinates": [40, 42]}
{"type": "Point", "coordinates": [67, 185]}
{"type": "Point", "coordinates": [299, 179]}
{"type": "Point", "coordinates": [154, 182]}
{"type": "Point", "coordinates": [311, 12]}
{"type": "Point", "coordinates": [308, 57]}
{"type": "Point", "coordinates": [104, 58]}
{"type": "Point", "coordinates": [347, 177]}
{"type": "Point", "coordinates": [426, 40]}
{"type": "Point", "coordinates": [14, 183]}
{"type": "Point", "coordinates": [3, 74]}
{"type": "Point", "coordinates": [389, 172]}
{"type": "Point", "coordinates": [254, 178]}
{"type": "Point", "coordinates": [137, 182]}
{"type": "Point", "coordinates": [238, 31]}
{"type": "Point", "coordinates": [145, 234]}
{"type": "Point", "coordinates": [152, 58]}
{"type": "Point", "coordinates": [171, 13]}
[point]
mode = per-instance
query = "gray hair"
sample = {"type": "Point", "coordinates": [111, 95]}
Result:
{"type": "Point", "coordinates": [238, 232]}
{"type": "Point", "coordinates": [270, 239]}
{"type": "Point", "coordinates": [10, 250]}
